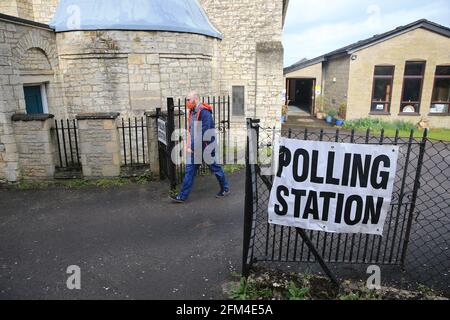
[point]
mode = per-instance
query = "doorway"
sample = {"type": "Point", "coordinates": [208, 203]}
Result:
{"type": "Point", "coordinates": [300, 93]}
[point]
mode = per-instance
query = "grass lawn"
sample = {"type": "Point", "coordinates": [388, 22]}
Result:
{"type": "Point", "coordinates": [404, 127]}
{"type": "Point", "coordinates": [435, 134]}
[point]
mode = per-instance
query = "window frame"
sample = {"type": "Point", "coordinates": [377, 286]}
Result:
{"type": "Point", "coordinates": [43, 88]}
{"type": "Point", "coordinates": [233, 114]}
{"type": "Point", "coordinates": [405, 77]}
{"type": "Point", "coordinates": [387, 104]}
{"type": "Point", "coordinates": [436, 76]}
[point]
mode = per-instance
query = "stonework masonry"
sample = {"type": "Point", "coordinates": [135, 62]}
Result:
{"type": "Point", "coordinates": [99, 145]}
{"type": "Point", "coordinates": [244, 24]}
{"type": "Point", "coordinates": [20, 45]}
{"type": "Point", "coordinates": [43, 10]}
{"type": "Point", "coordinates": [335, 81]}
{"type": "Point", "coordinates": [132, 72]}
{"type": "Point", "coordinates": [36, 10]}
{"type": "Point", "coordinates": [35, 147]}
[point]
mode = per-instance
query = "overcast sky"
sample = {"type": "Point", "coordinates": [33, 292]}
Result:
{"type": "Point", "coordinates": [316, 27]}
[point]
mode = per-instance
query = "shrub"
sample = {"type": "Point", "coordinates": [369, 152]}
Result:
{"type": "Point", "coordinates": [377, 124]}
{"type": "Point", "coordinates": [331, 112]}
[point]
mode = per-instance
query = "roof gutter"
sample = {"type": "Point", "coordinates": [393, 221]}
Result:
{"type": "Point", "coordinates": [25, 22]}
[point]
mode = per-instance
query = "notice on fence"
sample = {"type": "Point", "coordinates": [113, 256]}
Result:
{"type": "Point", "coordinates": [333, 187]}
{"type": "Point", "coordinates": [162, 132]}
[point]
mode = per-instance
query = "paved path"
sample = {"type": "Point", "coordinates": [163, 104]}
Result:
{"type": "Point", "coordinates": [299, 119]}
{"type": "Point", "coordinates": [129, 241]}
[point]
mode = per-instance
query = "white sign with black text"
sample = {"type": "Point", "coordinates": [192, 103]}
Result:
{"type": "Point", "coordinates": [333, 187]}
{"type": "Point", "coordinates": [162, 133]}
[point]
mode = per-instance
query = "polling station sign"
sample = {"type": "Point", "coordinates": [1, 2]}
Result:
{"type": "Point", "coordinates": [333, 187]}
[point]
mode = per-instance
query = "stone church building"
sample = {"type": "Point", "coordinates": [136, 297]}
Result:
{"type": "Point", "coordinates": [66, 57]}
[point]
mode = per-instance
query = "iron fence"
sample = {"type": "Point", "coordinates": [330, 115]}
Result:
{"type": "Point", "coordinates": [133, 141]}
{"type": "Point", "coordinates": [428, 255]}
{"type": "Point", "coordinates": [66, 134]}
{"type": "Point", "coordinates": [416, 231]}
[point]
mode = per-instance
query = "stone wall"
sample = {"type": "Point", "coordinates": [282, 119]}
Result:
{"type": "Point", "coordinates": [132, 71]}
{"type": "Point", "coordinates": [17, 42]}
{"type": "Point", "coordinates": [9, 7]}
{"type": "Point", "coordinates": [25, 9]}
{"type": "Point", "coordinates": [17, 8]}
{"type": "Point", "coordinates": [179, 73]}
{"type": "Point", "coordinates": [269, 72]}
{"type": "Point", "coordinates": [429, 46]}
{"type": "Point", "coordinates": [335, 81]}
{"type": "Point", "coordinates": [135, 71]}
{"type": "Point", "coordinates": [44, 10]}
{"type": "Point", "coordinates": [244, 24]}
{"type": "Point", "coordinates": [96, 84]}
{"type": "Point", "coordinates": [35, 147]}
{"type": "Point", "coordinates": [36, 10]}
{"type": "Point", "coordinates": [35, 60]}
{"type": "Point", "coordinates": [99, 145]}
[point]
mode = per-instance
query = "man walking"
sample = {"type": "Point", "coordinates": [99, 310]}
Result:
{"type": "Point", "coordinates": [200, 126]}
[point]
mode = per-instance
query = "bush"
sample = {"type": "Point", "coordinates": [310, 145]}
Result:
{"type": "Point", "coordinates": [331, 112]}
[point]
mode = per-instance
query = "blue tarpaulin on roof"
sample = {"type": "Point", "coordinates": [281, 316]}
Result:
{"type": "Point", "coordinates": [155, 15]}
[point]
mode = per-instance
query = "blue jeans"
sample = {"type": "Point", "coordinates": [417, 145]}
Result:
{"type": "Point", "coordinates": [189, 176]}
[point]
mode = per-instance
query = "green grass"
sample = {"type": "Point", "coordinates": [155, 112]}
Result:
{"type": "Point", "coordinates": [26, 185]}
{"type": "Point", "coordinates": [247, 290]}
{"type": "Point", "coordinates": [81, 183]}
{"type": "Point", "coordinates": [231, 168]}
{"type": "Point", "coordinates": [404, 127]}
{"type": "Point", "coordinates": [296, 293]}
{"type": "Point", "coordinates": [349, 296]}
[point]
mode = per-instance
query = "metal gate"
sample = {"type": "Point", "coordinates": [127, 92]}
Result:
{"type": "Point", "coordinates": [264, 242]}
{"type": "Point", "coordinates": [133, 146]}
{"type": "Point", "coordinates": [175, 118]}
{"type": "Point", "coordinates": [68, 155]}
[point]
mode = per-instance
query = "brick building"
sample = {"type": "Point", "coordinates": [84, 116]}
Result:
{"type": "Point", "coordinates": [69, 57]}
{"type": "Point", "coordinates": [401, 74]}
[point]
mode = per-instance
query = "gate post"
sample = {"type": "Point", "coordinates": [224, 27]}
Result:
{"type": "Point", "coordinates": [99, 144]}
{"type": "Point", "coordinates": [249, 195]}
{"type": "Point", "coordinates": [152, 139]}
{"type": "Point", "coordinates": [170, 144]}
{"type": "Point", "coordinates": [35, 145]}
{"type": "Point", "coordinates": [414, 197]}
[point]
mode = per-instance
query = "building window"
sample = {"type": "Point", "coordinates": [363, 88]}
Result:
{"type": "Point", "coordinates": [382, 88]}
{"type": "Point", "coordinates": [238, 100]}
{"type": "Point", "coordinates": [412, 87]}
{"type": "Point", "coordinates": [35, 98]}
{"type": "Point", "coordinates": [440, 100]}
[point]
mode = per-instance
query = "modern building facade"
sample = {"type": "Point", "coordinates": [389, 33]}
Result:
{"type": "Point", "coordinates": [401, 74]}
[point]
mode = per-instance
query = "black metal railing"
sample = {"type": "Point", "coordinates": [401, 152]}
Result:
{"type": "Point", "coordinates": [133, 141]}
{"type": "Point", "coordinates": [66, 134]}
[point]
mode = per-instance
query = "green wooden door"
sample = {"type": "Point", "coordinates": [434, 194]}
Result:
{"type": "Point", "coordinates": [33, 99]}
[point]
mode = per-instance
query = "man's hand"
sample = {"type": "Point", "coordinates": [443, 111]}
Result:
{"type": "Point", "coordinates": [189, 150]}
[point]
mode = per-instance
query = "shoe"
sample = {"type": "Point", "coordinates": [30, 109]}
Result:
{"type": "Point", "coordinates": [223, 193]}
{"type": "Point", "coordinates": [176, 199]}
